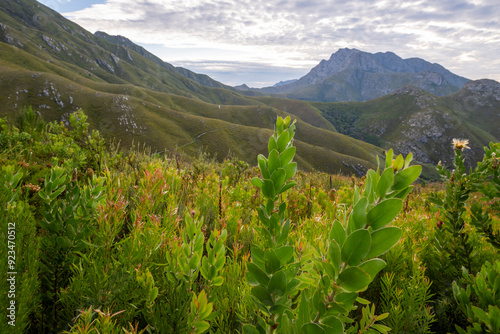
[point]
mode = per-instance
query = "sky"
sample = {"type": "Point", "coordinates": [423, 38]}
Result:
{"type": "Point", "coordinates": [262, 42]}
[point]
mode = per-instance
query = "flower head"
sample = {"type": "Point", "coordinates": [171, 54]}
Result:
{"type": "Point", "coordinates": [460, 144]}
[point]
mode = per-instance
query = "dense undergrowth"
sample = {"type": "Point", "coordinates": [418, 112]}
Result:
{"type": "Point", "coordinates": [107, 241]}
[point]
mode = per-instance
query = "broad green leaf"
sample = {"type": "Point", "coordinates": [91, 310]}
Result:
{"type": "Point", "coordinates": [283, 236]}
{"type": "Point", "coordinates": [371, 184]}
{"type": "Point", "coordinates": [218, 281]}
{"type": "Point", "coordinates": [358, 215]}
{"type": "Point", "coordinates": [481, 314]}
{"type": "Point", "coordinates": [201, 326]}
{"type": "Point", "coordinates": [262, 161]}
{"type": "Point", "coordinates": [398, 163]}
{"type": "Point", "coordinates": [383, 239]}
{"type": "Point", "coordinates": [312, 328]}
{"type": "Point", "coordinates": [334, 306]}
{"type": "Point", "coordinates": [337, 232]}
{"type": "Point", "coordinates": [354, 279]}
{"type": "Point", "coordinates": [262, 295]}
{"type": "Point", "coordinates": [257, 182]}
{"type": "Point", "coordinates": [287, 156]}
{"type": "Point", "coordinates": [283, 140]}
{"type": "Point", "coordinates": [303, 315]}
{"type": "Point", "coordinates": [285, 254]}
{"type": "Point", "coordinates": [329, 270]}
{"type": "Point", "coordinates": [288, 186]}
{"type": "Point", "coordinates": [346, 299]}
{"type": "Point", "coordinates": [385, 182]}
{"type": "Point", "coordinates": [405, 177]}
{"type": "Point", "coordinates": [356, 247]}
{"type": "Point", "coordinates": [408, 159]}
{"type": "Point", "coordinates": [277, 284]}
{"type": "Point", "coordinates": [334, 255]}
{"type": "Point", "coordinates": [268, 188]}
{"type": "Point", "coordinates": [278, 178]}
{"type": "Point", "coordinates": [388, 158]}
{"type": "Point", "coordinates": [56, 193]}
{"type": "Point", "coordinates": [272, 145]}
{"type": "Point", "coordinates": [273, 162]}
{"type": "Point", "coordinates": [384, 212]}
{"type": "Point", "coordinates": [286, 122]}
{"type": "Point", "coordinates": [250, 329]}
{"type": "Point", "coordinates": [271, 261]}
{"type": "Point", "coordinates": [403, 193]}
{"type": "Point", "coordinates": [335, 326]}
{"type": "Point", "coordinates": [290, 170]}
{"type": "Point", "coordinates": [279, 124]}
{"type": "Point", "coordinates": [207, 309]}
{"type": "Point", "coordinates": [256, 276]}
{"type": "Point", "coordinates": [373, 266]}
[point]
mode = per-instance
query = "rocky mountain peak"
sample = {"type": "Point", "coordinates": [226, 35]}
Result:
{"type": "Point", "coordinates": [484, 87]}
{"type": "Point", "coordinates": [354, 75]}
{"type": "Point", "coordinates": [479, 93]}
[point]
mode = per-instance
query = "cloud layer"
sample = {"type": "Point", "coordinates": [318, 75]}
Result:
{"type": "Point", "coordinates": [291, 36]}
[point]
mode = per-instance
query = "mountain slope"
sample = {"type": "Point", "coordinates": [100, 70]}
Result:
{"type": "Point", "coordinates": [58, 67]}
{"type": "Point", "coordinates": [353, 75]}
{"type": "Point", "coordinates": [413, 120]}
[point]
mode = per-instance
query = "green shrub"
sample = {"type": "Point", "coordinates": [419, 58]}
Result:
{"type": "Point", "coordinates": [313, 288]}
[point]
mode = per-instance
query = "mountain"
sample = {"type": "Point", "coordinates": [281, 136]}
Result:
{"type": "Point", "coordinates": [411, 119]}
{"type": "Point", "coordinates": [57, 67]}
{"type": "Point", "coordinates": [202, 79]}
{"type": "Point", "coordinates": [353, 75]}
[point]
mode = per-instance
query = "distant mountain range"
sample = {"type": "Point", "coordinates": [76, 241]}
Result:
{"type": "Point", "coordinates": [353, 75]}
{"type": "Point", "coordinates": [130, 94]}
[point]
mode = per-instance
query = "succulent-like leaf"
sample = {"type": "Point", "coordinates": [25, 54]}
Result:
{"type": "Point", "coordinates": [357, 219]}
{"type": "Point", "coordinates": [277, 284]}
{"type": "Point", "coordinates": [268, 188]}
{"type": "Point", "coordinates": [287, 156]}
{"type": "Point", "coordinates": [405, 177]}
{"type": "Point", "coordinates": [354, 279]}
{"type": "Point", "coordinates": [262, 295]}
{"type": "Point", "coordinates": [356, 247]}
{"type": "Point", "coordinates": [385, 182]}
{"type": "Point", "coordinates": [273, 161]}
{"type": "Point", "coordinates": [338, 233]}
{"type": "Point", "coordinates": [373, 266]}
{"type": "Point", "coordinates": [384, 212]}
{"type": "Point", "coordinates": [256, 276]}
{"type": "Point", "coordinates": [312, 328]}
{"type": "Point", "coordinates": [333, 324]}
{"type": "Point", "coordinates": [271, 261]}
{"type": "Point", "coordinates": [383, 239]}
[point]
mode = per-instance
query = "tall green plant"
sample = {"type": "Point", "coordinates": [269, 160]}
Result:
{"type": "Point", "coordinates": [68, 212]}
{"type": "Point", "coordinates": [18, 256]}
{"type": "Point", "coordinates": [480, 300]}
{"type": "Point", "coordinates": [308, 289]}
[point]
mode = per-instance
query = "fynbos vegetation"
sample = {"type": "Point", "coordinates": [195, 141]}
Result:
{"type": "Point", "coordinates": [112, 241]}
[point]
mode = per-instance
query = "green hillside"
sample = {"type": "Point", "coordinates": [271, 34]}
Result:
{"type": "Point", "coordinates": [410, 119]}
{"type": "Point", "coordinates": [129, 94]}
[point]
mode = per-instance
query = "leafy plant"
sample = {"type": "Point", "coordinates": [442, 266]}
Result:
{"type": "Point", "coordinates": [310, 289]}
{"type": "Point", "coordinates": [68, 212]}
{"type": "Point", "coordinates": [19, 256]}
{"type": "Point", "coordinates": [480, 299]}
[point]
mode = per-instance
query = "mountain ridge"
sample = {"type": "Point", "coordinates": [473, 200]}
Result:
{"type": "Point", "coordinates": [57, 67]}
{"type": "Point", "coordinates": [354, 75]}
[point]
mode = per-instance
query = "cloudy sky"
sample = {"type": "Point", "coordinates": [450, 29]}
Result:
{"type": "Point", "coordinates": [261, 42]}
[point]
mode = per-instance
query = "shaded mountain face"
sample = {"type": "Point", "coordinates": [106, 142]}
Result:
{"type": "Point", "coordinates": [353, 75]}
{"type": "Point", "coordinates": [412, 120]}
{"type": "Point", "coordinates": [57, 67]}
